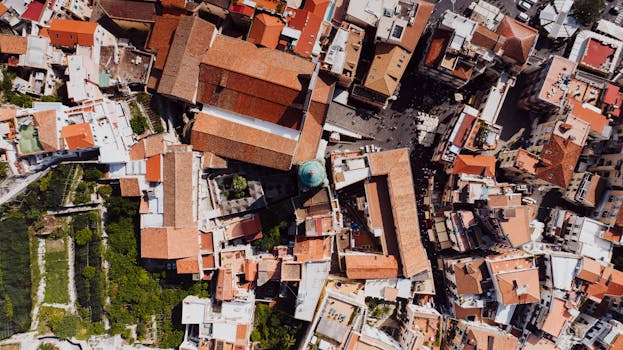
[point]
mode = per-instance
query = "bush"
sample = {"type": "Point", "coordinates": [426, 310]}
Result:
{"type": "Point", "coordinates": [274, 329]}
{"type": "Point", "coordinates": [83, 236]}
{"type": "Point", "coordinates": [159, 129]}
{"type": "Point", "coordinates": [4, 170]}
{"type": "Point", "coordinates": [92, 174]}
{"type": "Point", "coordinates": [51, 98]}
{"type": "Point", "coordinates": [138, 121]}
{"type": "Point", "coordinates": [89, 272]}
{"type": "Point", "coordinates": [104, 190]}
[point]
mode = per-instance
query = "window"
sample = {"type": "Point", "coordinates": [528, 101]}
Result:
{"type": "Point", "coordinates": [71, 36]}
{"type": "Point", "coordinates": [57, 36]}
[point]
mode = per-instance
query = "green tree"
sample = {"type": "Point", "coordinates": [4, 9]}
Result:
{"type": "Point", "coordinates": [51, 98]}
{"type": "Point", "coordinates": [239, 183]}
{"type": "Point", "coordinates": [83, 236]}
{"type": "Point", "coordinates": [89, 272]}
{"type": "Point", "coordinates": [4, 170]}
{"type": "Point", "coordinates": [587, 11]}
{"type": "Point", "coordinates": [104, 190]}
{"type": "Point", "coordinates": [92, 174]}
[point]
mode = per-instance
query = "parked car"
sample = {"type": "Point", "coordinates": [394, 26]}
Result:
{"type": "Point", "coordinates": [524, 5]}
{"type": "Point", "coordinates": [615, 10]}
{"type": "Point", "coordinates": [522, 16]}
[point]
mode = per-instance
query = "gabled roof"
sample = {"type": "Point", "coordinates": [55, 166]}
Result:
{"type": "Point", "coordinates": [33, 11]}
{"type": "Point", "coordinates": [187, 265]}
{"type": "Point", "coordinates": [140, 11]}
{"type": "Point", "coordinates": [224, 285]}
{"type": "Point", "coordinates": [161, 37]}
{"type": "Point", "coordinates": [371, 266]}
{"type": "Point", "coordinates": [469, 276]}
{"type": "Point", "coordinates": [475, 165]}
{"type": "Point", "coordinates": [388, 66]}
{"type": "Point", "coordinates": [71, 26]}
{"type": "Point", "coordinates": [265, 30]}
{"type": "Point", "coordinates": [610, 283]}
{"type": "Point", "coordinates": [518, 39]}
{"type": "Point", "coordinates": [395, 164]}
{"type": "Point", "coordinates": [78, 136]}
{"type": "Point", "coordinates": [153, 171]}
{"type": "Point", "coordinates": [590, 270]}
{"type": "Point", "coordinates": [168, 243]}
{"type": "Point", "coordinates": [413, 33]}
{"type": "Point", "coordinates": [515, 224]}
{"type": "Point", "coordinates": [519, 287]}
{"type": "Point", "coordinates": [309, 249]}
{"type": "Point", "coordinates": [487, 338]}
{"type": "Point", "coordinates": [129, 187]}
{"type": "Point", "coordinates": [237, 141]}
{"type": "Point", "coordinates": [558, 160]}
{"type": "Point", "coordinates": [178, 188]}
{"type": "Point", "coordinates": [45, 121]}
{"type": "Point", "coordinates": [557, 315]}
{"type": "Point", "coordinates": [13, 44]}
{"type": "Point", "coordinates": [181, 71]}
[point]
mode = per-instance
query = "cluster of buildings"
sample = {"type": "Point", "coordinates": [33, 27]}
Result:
{"type": "Point", "coordinates": [258, 81]}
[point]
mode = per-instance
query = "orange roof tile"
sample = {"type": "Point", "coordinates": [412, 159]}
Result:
{"type": "Point", "coordinates": [232, 140]}
{"type": "Point", "coordinates": [307, 249]}
{"type": "Point", "coordinates": [265, 30]}
{"type": "Point", "coordinates": [154, 145]}
{"type": "Point", "coordinates": [250, 270]}
{"type": "Point", "coordinates": [161, 37]}
{"type": "Point", "coordinates": [395, 164]}
{"type": "Point", "coordinates": [609, 283]}
{"type": "Point", "coordinates": [154, 168]}
{"type": "Point", "coordinates": [168, 243]}
{"type": "Point", "coordinates": [84, 31]}
{"type": "Point", "coordinates": [488, 338]}
{"type": "Point", "coordinates": [475, 165]}
{"type": "Point", "coordinates": [13, 44]}
{"type": "Point", "coordinates": [519, 287]}
{"type": "Point", "coordinates": [485, 37]}
{"type": "Point", "coordinates": [3, 9]}
{"type": "Point", "coordinates": [519, 38]}
{"type": "Point", "coordinates": [7, 114]}
{"type": "Point", "coordinates": [178, 187]}
{"type": "Point", "coordinates": [45, 121]}
{"type": "Point", "coordinates": [515, 224]}
{"type": "Point", "coordinates": [597, 121]}
{"type": "Point", "coordinates": [130, 187]}
{"type": "Point", "coordinates": [78, 136]}
{"type": "Point", "coordinates": [558, 160]}
{"type": "Point", "coordinates": [224, 285]}
{"type": "Point", "coordinates": [469, 276]}
{"type": "Point", "coordinates": [590, 270]}
{"type": "Point", "coordinates": [556, 317]}
{"type": "Point", "coordinates": [187, 265]}
{"type": "Point", "coordinates": [243, 228]}
{"type": "Point", "coordinates": [413, 33]}
{"type": "Point", "coordinates": [207, 242]}
{"type": "Point", "coordinates": [371, 266]}
{"type": "Point", "coordinates": [185, 56]}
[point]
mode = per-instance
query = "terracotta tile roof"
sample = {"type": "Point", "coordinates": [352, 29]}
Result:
{"type": "Point", "coordinates": [141, 11]}
{"type": "Point", "coordinates": [312, 132]}
{"type": "Point", "coordinates": [137, 151]}
{"type": "Point", "coordinates": [558, 160]}
{"type": "Point", "coordinates": [244, 228]}
{"type": "Point", "coordinates": [45, 121]}
{"type": "Point", "coordinates": [181, 70]}
{"type": "Point", "coordinates": [475, 165]}
{"type": "Point", "coordinates": [3, 9]}
{"type": "Point", "coordinates": [168, 243]}
{"type": "Point", "coordinates": [469, 276]}
{"type": "Point", "coordinates": [464, 313]}
{"type": "Point", "coordinates": [207, 242]}
{"type": "Point", "coordinates": [265, 30]}
{"type": "Point", "coordinates": [556, 317]}
{"type": "Point", "coordinates": [371, 266]}
{"type": "Point", "coordinates": [232, 140]}
{"type": "Point", "coordinates": [7, 114]}
{"type": "Point", "coordinates": [78, 136]}
{"type": "Point", "coordinates": [154, 168]}
{"type": "Point", "coordinates": [388, 66]}
{"type": "Point", "coordinates": [262, 83]}
{"type": "Point", "coordinates": [178, 188]}
{"type": "Point", "coordinates": [413, 33]}
{"type": "Point", "coordinates": [13, 44]}
{"type": "Point", "coordinates": [187, 265]}
{"type": "Point", "coordinates": [66, 32]}
{"type": "Point", "coordinates": [224, 285]}
{"type": "Point", "coordinates": [485, 38]}
{"type": "Point", "coordinates": [598, 55]}
{"type": "Point", "coordinates": [610, 283]}
{"type": "Point", "coordinates": [597, 121]}
{"type": "Point", "coordinates": [485, 338]}
{"type": "Point", "coordinates": [515, 224]}
{"type": "Point", "coordinates": [130, 187]}
{"type": "Point", "coordinates": [519, 287]}
{"type": "Point", "coordinates": [518, 39]}
{"type": "Point", "coordinates": [309, 25]}
{"type": "Point", "coordinates": [502, 200]}
{"type": "Point", "coordinates": [267, 270]}
{"type": "Point", "coordinates": [212, 161]}
{"type": "Point", "coordinates": [308, 249]}
{"type": "Point", "coordinates": [396, 166]}
{"type": "Point", "coordinates": [535, 342]}
{"type": "Point", "coordinates": [181, 4]}
{"type": "Point", "coordinates": [250, 270]}
{"type": "Point", "coordinates": [437, 48]}
{"type": "Point", "coordinates": [161, 37]}
{"type": "Point", "coordinates": [207, 262]}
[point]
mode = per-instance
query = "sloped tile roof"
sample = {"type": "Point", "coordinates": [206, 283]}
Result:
{"type": "Point", "coordinates": [469, 276]}
{"type": "Point", "coordinates": [519, 287]}
{"type": "Point", "coordinates": [169, 243]}
{"type": "Point", "coordinates": [13, 44]}
{"type": "Point", "coordinates": [187, 265]}
{"type": "Point", "coordinates": [265, 30]}
{"type": "Point", "coordinates": [475, 165]}
{"type": "Point", "coordinates": [309, 249]}
{"type": "Point", "coordinates": [130, 187]}
{"type": "Point", "coordinates": [45, 121]}
{"type": "Point", "coordinates": [78, 136]}
{"type": "Point", "coordinates": [371, 266]}
{"type": "Point", "coordinates": [178, 188]}
{"type": "Point", "coordinates": [161, 37]}
{"type": "Point", "coordinates": [518, 39]}
{"type": "Point", "coordinates": [558, 160]}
